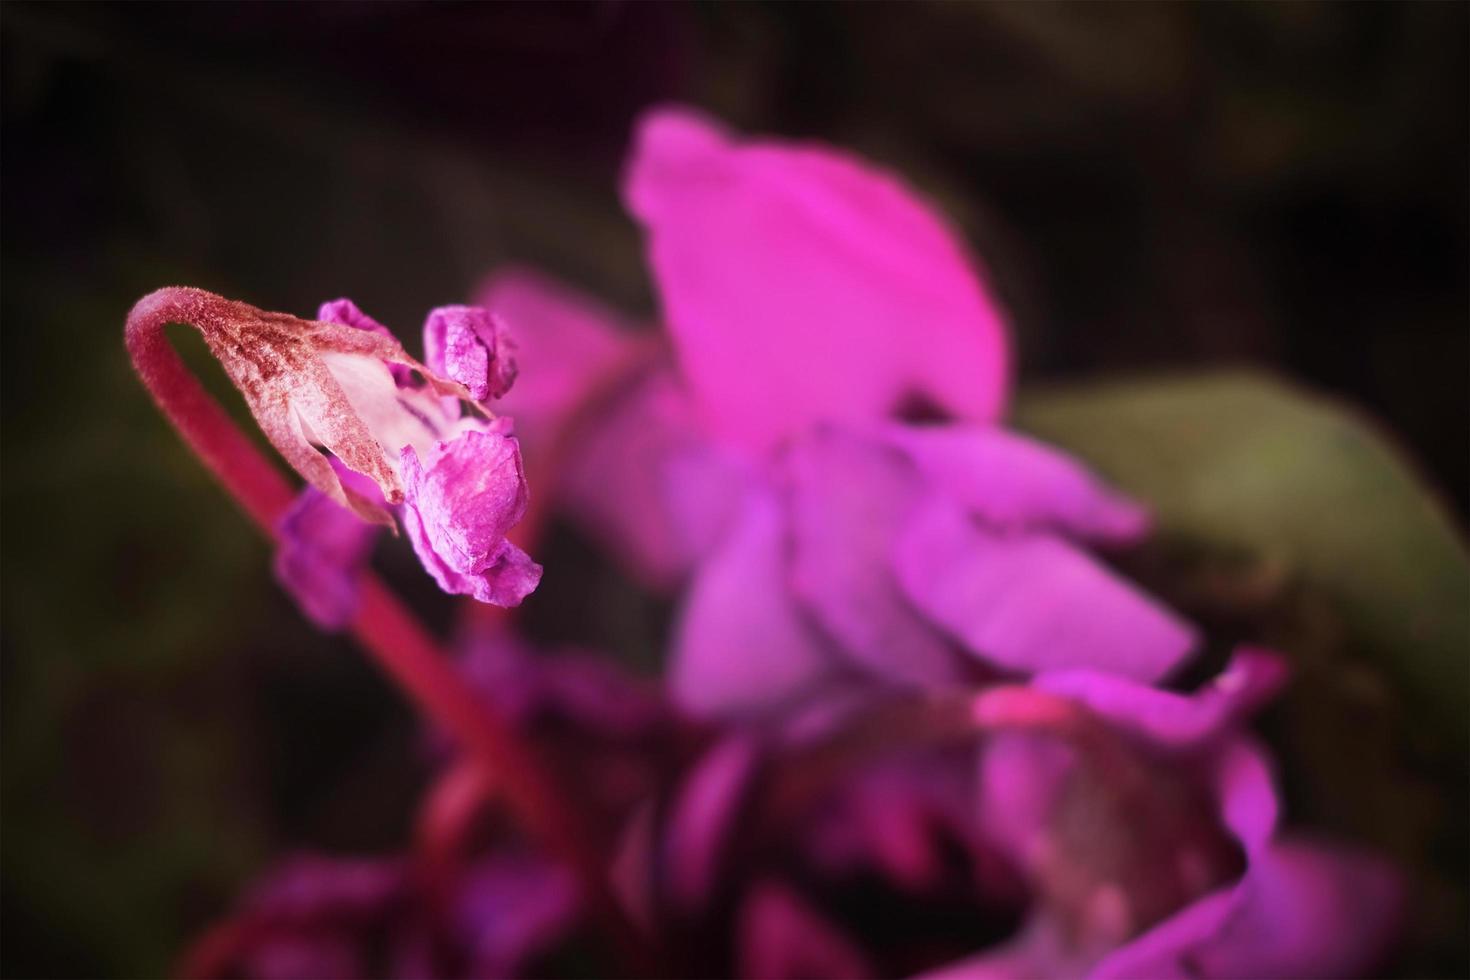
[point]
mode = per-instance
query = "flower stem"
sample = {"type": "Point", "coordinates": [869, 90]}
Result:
{"type": "Point", "coordinates": [402, 647]}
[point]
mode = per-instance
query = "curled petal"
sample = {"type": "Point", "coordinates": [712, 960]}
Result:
{"type": "Point", "coordinates": [1032, 602]}
{"type": "Point", "coordinates": [469, 345]}
{"type": "Point", "coordinates": [458, 507]}
{"type": "Point", "coordinates": [1252, 678]}
{"type": "Point", "coordinates": [1299, 909]}
{"type": "Point", "coordinates": [800, 284]}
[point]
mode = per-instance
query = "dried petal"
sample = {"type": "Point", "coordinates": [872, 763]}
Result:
{"type": "Point", "coordinates": [469, 345]}
{"type": "Point", "coordinates": [459, 504]}
{"type": "Point", "coordinates": [308, 383]}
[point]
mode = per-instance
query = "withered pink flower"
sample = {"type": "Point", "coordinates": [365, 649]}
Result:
{"type": "Point", "coordinates": [369, 428]}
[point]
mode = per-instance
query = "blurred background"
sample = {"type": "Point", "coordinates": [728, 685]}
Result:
{"type": "Point", "coordinates": [1153, 188]}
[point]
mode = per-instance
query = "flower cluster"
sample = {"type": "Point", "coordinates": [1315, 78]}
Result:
{"type": "Point", "coordinates": [913, 722]}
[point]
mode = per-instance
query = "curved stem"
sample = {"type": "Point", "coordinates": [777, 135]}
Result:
{"type": "Point", "coordinates": [383, 625]}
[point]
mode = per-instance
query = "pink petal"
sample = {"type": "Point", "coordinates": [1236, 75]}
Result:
{"type": "Point", "coordinates": [642, 482]}
{"type": "Point", "coordinates": [849, 498]}
{"type": "Point", "coordinates": [512, 909]}
{"type": "Point", "coordinates": [1309, 910]}
{"type": "Point", "coordinates": [703, 817]}
{"type": "Point", "coordinates": [324, 550]}
{"type": "Point", "coordinates": [800, 284]}
{"type": "Point", "coordinates": [1249, 809]}
{"type": "Point", "coordinates": [740, 643]}
{"type": "Point", "coordinates": [566, 344]}
{"type": "Point", "coordinates": [1012, 481]}
{"type": "Point", "coordinates": [1032, 602]}
{"type": "Point", "coordinates": [457, 510]}
{"type": "Point", "coordinates": [781, 937]}
{"type": "Point", "coordinates": [1251, 679]}
{"type": "Point", "coordinates": [469, 345]}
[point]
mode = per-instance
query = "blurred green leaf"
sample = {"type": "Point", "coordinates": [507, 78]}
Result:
{"type": "Point", "coordinates": [1242, 462]}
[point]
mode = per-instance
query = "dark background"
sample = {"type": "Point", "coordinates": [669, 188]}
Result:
{"type": "Point", "coordinates": [1281, 185]}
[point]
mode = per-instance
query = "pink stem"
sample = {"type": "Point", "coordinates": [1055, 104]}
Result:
{"type": "Point", "coordinates": [383, 625]}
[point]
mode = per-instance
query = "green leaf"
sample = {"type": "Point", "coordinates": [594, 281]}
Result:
{"type": "Point", "coordinates": [1243, 462]}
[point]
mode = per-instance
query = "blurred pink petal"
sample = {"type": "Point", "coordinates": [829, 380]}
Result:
{"type": "Point", "coordinates": [801, 285]}
{"type": "Point", "coordinates": [1012, 481]}
{"type": "Point", "coordinates": [565, 344]}
{"type": "Point", "coordinates": [781, 937]}
{"type": "Point", "coordinates": [511, 909]}
{"type": "Point", "coordinates": [848, 499]}
{"type": "Point", "coordinates": [636, 481]}
{"type": "Point", "coordinates": [1308, 910]}
{"type": "Point", "coordinates": [702, 819]}
{"type": "Point", "coordinates": [1032, 602]}
{"type": "Point", "coordinates": [740, 643]}
{"type": "Point", "coordinates": [1251, 679]}
{"type": "Point", "coordinates": [323, 551]}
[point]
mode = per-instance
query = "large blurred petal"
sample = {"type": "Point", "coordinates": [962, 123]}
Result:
{"type": "Point", "coordinates": [566, 344]}
{"type": "Point", "coordinates": [849, 499]}
{"type": "Point", "coordinates": [1031, 602]}
{"type": "Point", "coordinates": [741, 645]}
{"type": "Point", "coordinates": [640, 479]}
{"type": "Point", "coordinates": [801, 285]}
{"type": "Point", "coordinates": [1012, 481]}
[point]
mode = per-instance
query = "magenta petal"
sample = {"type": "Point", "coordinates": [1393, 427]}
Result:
{"type": "Point", "coordinates": [324, 549]}
{"type": "Point", "coordinates": [849, 498]}
{"type": "Point", "coordinates": [1251, 679]}
{"type": "Point", "coordinates": [512, 909]}
{"type": "Point", "coordinates": [320, 917]}
{"type": "Point", "coordinates": [346, 312]}
{"type": "Point", "coordinates": [640, 481]}
{"type": "Point", "coordinates": [1033, 602]}
{"type": "Point", "coordinates": [1012, 481]}
{"type": "Point", "coordinates": [800, 284]}
{"type": "Point", "coordinates": [468, 345]}
{"type": "Point", "coordinates": [1309, 910]}
{"type": "Point", "coordinates": [703, 817]}
{"type": "Point", "coordinates": [740, 644]}
{"type": "Point", "coordinates": [457, 510]}
{"type": "Point", "coordinates": [1301, 910]}
{"type": "Point", "coordinates": [782, 937]}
